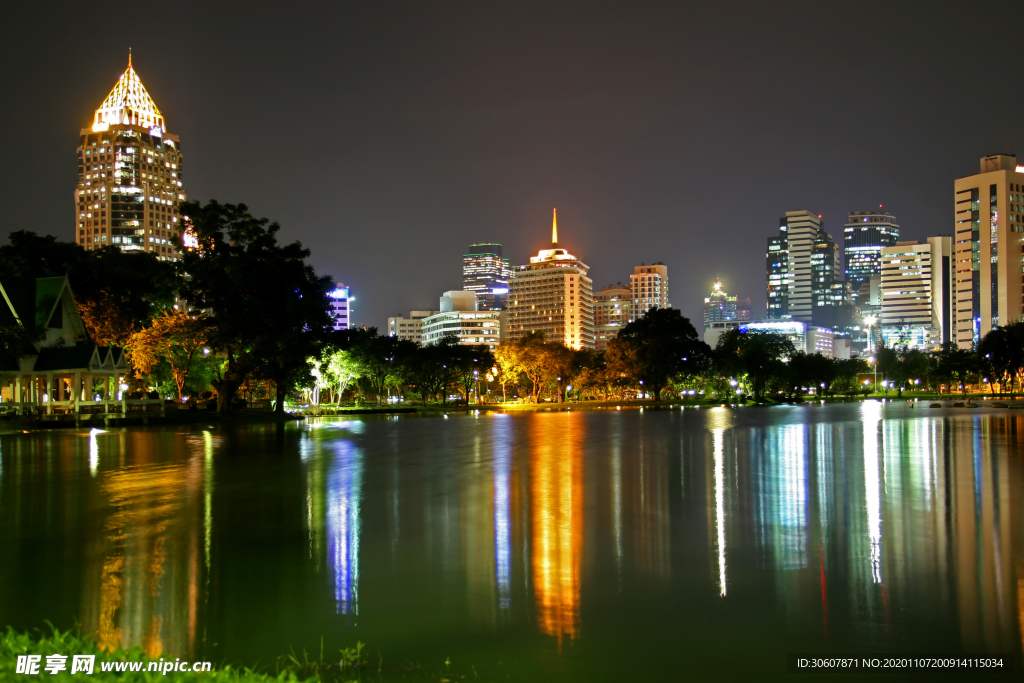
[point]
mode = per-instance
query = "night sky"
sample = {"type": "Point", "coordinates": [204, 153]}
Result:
{"type": "Point", "coordinates": [388, 136]}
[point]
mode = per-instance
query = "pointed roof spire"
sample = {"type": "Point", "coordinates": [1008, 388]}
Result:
{"type": "Point", "coordinates": [129, 104]}
{"type": "Point", "coordinates": [554, 227]}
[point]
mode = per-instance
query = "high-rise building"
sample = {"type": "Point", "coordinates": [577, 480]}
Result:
{"type": "Point", "coordinates": [917, 288]}
{"type": "Point", "coordinates": [411, 328]}
{"type": "Point", "coordinates": [129, 175]}
{"type": "Point", "coordinates": [864, 236]}
{"type": "Point", "coordinates": [719, 307]}
{"type": "Point", "coordinates": [612, 306]}
{"type": "Point", "coordinates": [460, 317]}
{"type": "Point", "coordinates": [486, 272]}
{"type": "Point", "coordinates": [341, 306]}
{"type": "Point", "coordinates": [987, 254]}
{"type": "Point", "coordinates": [552, 294]}
{"type": "Point", "coordinates": [778, 275]}
{"type": "Point", "coordinates": [792, 271]}
{"type": "Point", "coordinates": [649, 285]}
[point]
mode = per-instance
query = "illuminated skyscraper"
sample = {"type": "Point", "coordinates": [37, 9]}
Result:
{"type": "Point", "coordinates": [485, 272]}
{"type": "Point", "coordinates": [552, 294]}
{"type": "Point", "coordinates": [791, 268]}
{"type": "Point", "coordinates": [989, 210]}
{"type": "Point", "coordinates": [129, 175]}
{"type": "Point", "coordinates": [650, 288]}
{"type": "Point", "coordinates": [865, 234]}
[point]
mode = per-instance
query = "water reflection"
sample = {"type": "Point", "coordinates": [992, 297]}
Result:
{"type": "Point", "coordinates": [344, 492]}
{"type": "Point", "coordinates": [866, 526]}
{"type": "Point", "coordinates": [557, 489]}
{"type": "Point", "coordinates": [142, 573]}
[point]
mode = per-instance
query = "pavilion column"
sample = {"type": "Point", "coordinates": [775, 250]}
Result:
{"type": "Point", "coordinates": [17, 391]}
{"type": "Point", "coordinates": [76, 389]}
{"type": "Point", "coordinates": [49, 393]}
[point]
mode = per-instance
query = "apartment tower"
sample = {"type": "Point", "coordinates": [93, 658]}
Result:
{"type": "Point", "coordinates": [129, 175]}
{"type": "Point", "coordinates": [552, 294]}
{"type": "Point", "coordinates": [649, 285]}
{"type": "Point", "coordinates": [987, 250]}
{"type": "Point", "coordinates": [612, 306]}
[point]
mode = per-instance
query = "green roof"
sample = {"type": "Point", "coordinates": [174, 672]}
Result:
{"type": "Point", "coordinates": [48, 290]}
{"type": "Point", "coordinates": [56, 358]}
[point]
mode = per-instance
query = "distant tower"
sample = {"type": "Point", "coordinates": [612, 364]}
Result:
{"type": "Point", "coordinates": [129, 175]}
{"type": "Point", "coordinates": [552, 294]}
{"type": "Point", "coordinates": [720, 307]}
{"type": "Point", "coordinates": [486, 272]}
{"type": "Point", "coordinates": [341, 306]}
{"type": "Point", "coordinates": [791, 284]}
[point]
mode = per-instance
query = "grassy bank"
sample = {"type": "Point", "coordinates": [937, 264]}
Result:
{"type": "Point", "coordinates": [350, 665]}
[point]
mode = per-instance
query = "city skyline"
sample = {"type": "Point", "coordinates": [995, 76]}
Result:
{"type": "Point", "coordinates": [474, 128]}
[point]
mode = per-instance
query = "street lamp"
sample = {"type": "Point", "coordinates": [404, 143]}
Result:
{"type": "Point", "coordinates": [874, 362]}
{"type": "Point", "coordinates": [869, 322]}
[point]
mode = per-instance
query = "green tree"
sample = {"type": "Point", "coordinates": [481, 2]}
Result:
{"type": "Point", "coordinates": [117, 292]}
{"type": "Point", "coordinates": [663, 344]}
{"type": "Point", "coordinates": [759, 355]}
{"type": "Point", "coordinates": [269, 309]}
{"type": "Point", "coordinates": [175, 335]}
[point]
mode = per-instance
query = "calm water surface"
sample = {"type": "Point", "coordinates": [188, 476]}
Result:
{"type": "Point", "coordinates": [589, 545]}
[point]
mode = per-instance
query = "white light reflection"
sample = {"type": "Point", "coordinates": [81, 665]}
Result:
{"type": "Point", "coordinates": [344, 491]}
{"type": "Point", "coordinates": [871, 416]}
{"type": "Point", "coordinates": [716, 435]}
{"type": "Point", "coordinates": [502, 465]}
{"type": "Point", "coordinates": [94, 454]}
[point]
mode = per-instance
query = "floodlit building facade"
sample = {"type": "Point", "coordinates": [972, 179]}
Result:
{"type": "Point", "coordinates": [805, 337]}
{"type": "Point", "coordinates": [411, 328]}
{"type": "Point", "coordinates": [459, 317]}
{"type": "Point", "coordinates": [649, 285]}
{"type": "Point", "coordinates": [130, 182]}
{"type": "Point", "coordinates": [987, 249]}
{"type": "Point", "coordinates": [917, 288]}
{"type": "Point", "coordinates": [865, 234]}
{"type": "Point", "coordinates": [341, 306]}
{"type": "Point", "coordinates": [552, 294]}
{"type": "Point", "coordinates": [612, 306]}
{"type": "Point", "coordinates": [486, 272]}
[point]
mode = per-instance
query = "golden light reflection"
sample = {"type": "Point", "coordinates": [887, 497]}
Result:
{"type": "Point", "coordinates": [145, 591]}
{"type": "Point", "coordinates": [556, 464]}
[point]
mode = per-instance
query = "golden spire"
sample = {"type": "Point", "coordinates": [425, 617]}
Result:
{"type": "Point", "coordinates": [129, 104]}
{"type": "Point", "coordinates": [554, 228]}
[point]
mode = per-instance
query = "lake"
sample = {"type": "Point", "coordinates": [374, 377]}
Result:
{"type": "Point", "coordinates": [602, 545]}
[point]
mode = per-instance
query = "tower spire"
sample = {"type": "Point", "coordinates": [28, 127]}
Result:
{"type": "Point", "coordinates": [129, 57]}
{"type": "Point", "coordinates": [554, 228]}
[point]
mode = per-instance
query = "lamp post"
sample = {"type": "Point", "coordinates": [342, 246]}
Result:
{"type": "Point", "coordinates": [869, 322]}
{"type": "Point", "coordinates": [874, 362]}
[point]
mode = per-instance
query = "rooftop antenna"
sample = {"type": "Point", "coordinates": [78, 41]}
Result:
{"type": "Point", "coordinates": [554, 228]}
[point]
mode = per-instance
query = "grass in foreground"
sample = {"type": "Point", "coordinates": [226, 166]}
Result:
{"type": "Point", "coordinates": [349, 665]}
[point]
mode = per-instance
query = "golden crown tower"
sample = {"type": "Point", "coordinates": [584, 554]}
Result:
{"type": "Point", "coordinates": [129, 175]}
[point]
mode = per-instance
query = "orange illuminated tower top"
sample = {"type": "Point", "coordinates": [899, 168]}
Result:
{"type": "Point", "coordinates": [129, 104]}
